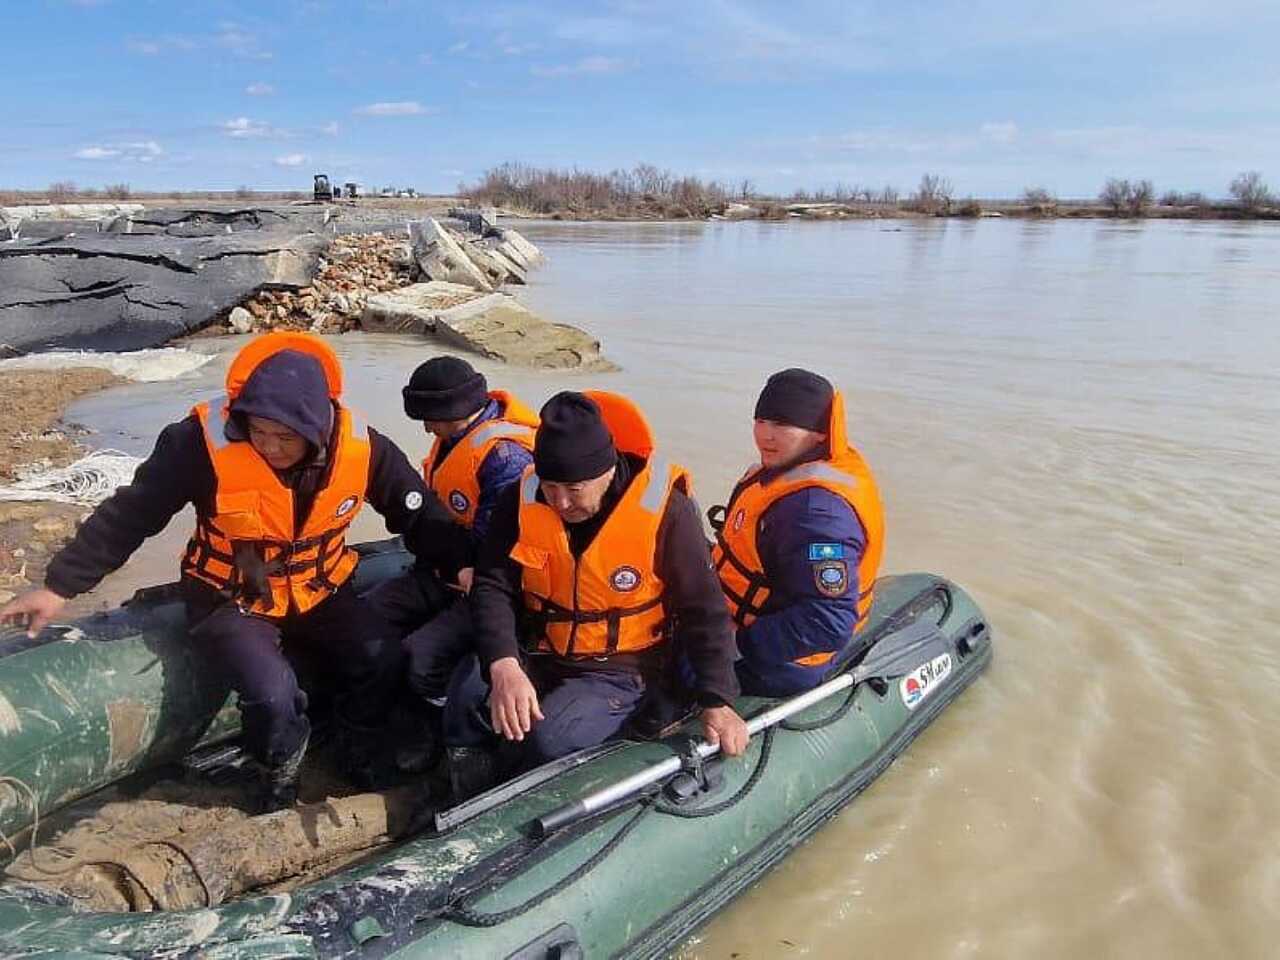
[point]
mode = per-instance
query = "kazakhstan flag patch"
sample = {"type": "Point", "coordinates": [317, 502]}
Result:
{"type": "Point", "coordinates": [826, 551]}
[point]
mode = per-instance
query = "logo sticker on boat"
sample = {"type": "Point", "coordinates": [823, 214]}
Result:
{"type": "Point", "coordinates": [922, 681]}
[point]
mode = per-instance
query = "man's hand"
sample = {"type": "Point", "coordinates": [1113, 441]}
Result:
{"type": "Point", "coordinates": [465, 576]}
{"type": "Point", "coordinates": [35, 609]}
{"type": "Point", "coordinates": [513, 703]}
{"type": "Point", "coordinates": [722, 725]}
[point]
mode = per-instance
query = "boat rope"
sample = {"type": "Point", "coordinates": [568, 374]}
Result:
{"type": "Point", "coordinates": [757, 773]}
{"type": "Point", "coordinates": [460, 912]}
{"type": "Point", "coordinates": [800, 726]}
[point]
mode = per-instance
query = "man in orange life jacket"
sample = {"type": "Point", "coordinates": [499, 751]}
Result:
{"type": "Point", "coordinates": [483, 444]}
{"type": "Point", "coordinates": [799, 543]}
{"type": "Point", "coordinates": [277, 469]}
{"type": "Point", "coordinates": [593, 564]}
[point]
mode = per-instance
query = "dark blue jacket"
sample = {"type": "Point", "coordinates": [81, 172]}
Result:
{"type": "Point", "coordinates": [503, 466]}
{"type": "Point", "coordinates": [801, 619]}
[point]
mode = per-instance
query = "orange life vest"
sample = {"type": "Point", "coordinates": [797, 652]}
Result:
{"type": "Point", "coordinates": [456, 479]}
{"type": "Point", "coordinates": [254, 510]}
{"type": "Point", "coordinates": [608, 600]}
{"type": "Point", "coordinates": [736, 554]}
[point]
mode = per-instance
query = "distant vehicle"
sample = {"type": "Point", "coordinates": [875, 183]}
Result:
{"type": "Point", "coordinates": [353, 189]}
{"type": "Point", "coordinates": [323, 191]}
{"type": "Point", "coordinates": [337, 192]}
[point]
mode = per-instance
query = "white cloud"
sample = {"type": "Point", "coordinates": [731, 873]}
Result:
{"type": "Point", "coordinates": [154, 46]}
{"type": "Point", "coordinates": [394, 108]}
{"type": "Point", "coordinates": [291, 160]}
{"type": "Point", "coordinates": [605, 31]}
{"type": "Point", "coordinates": [143, 151]}
{"type": "Point", "coordinates": [243, 128]}
{"type": "Point", "coordinates": [259, 89]}
{"type": "Point", "coordinates": [426, 59]}
{"type": "Point", "coordinates": [1005, 131]}
{"type": "Point", "coordinates": [239, 42]}
{"type": "Point", "coordinates": [587, 65]}
{"type": "Point", "coordinates": [460, 46]}
{"type": "Point", "coordinates": [330, 129]}
{"type": "Point", "coordinates": [148, 48]}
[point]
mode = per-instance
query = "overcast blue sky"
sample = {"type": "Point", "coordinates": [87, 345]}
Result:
{"type": "Point", "coordinates": [996, 95]}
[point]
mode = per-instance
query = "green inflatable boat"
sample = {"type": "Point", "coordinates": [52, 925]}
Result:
{"type": "Point", "coordinates": [618, 851]}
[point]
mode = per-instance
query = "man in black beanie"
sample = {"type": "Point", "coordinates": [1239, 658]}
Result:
{"type": "Point", "coordinates": [276, 468]}
{"type": "Point", "coordinates": [798, 546]}
{"type": "Point", "coordinates": [594, 571]}
{"type": "Point", "coordinates": [482, 444]}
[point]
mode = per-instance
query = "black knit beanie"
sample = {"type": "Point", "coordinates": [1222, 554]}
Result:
{"type": "Point", "coordinates": [290, 388]}
{"type": "Point", "coordinates": [797, 397]}
{"type": "Point", "coordinates": [573, 443]}
{"type": "Point", "coordinates": [444, 388]}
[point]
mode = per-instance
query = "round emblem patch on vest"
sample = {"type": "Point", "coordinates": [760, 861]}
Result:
{"type": "Point", "coordinates": [625, 579]}
{"type": "Point", "coordinates": [738, 517]}
{"type": "Point", "coordinates": [412, 500]}
{"type": "Point", "coordinates": [831, 577]}
{"type": "Point", "coordinates": [346, 506]}
{"type": "Point", "coordinates": [458, 500]}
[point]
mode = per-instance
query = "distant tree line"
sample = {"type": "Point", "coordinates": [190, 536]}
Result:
{"type": "Point", "coordinates": [647, 190]}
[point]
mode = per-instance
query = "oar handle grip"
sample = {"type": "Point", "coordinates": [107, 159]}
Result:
{"type": "Point", "coordinates": [561, 816]}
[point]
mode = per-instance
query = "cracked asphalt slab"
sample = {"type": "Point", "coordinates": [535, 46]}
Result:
{"type": "Point", "coordinates": [118, 291]}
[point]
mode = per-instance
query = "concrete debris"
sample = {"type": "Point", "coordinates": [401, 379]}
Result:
{"type": "Point", "coordinates": [494, 325]}
{"type": "Point", "coordinates": [440, 257]}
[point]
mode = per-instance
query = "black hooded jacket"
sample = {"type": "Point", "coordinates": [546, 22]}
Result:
{"type": "Point", "coordinates": [178, 472]}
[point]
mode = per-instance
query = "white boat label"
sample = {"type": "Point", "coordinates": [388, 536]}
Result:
{"type": "Point", "coordinates": [921, 681]}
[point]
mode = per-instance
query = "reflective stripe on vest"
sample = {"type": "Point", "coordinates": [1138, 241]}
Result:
{"type": "Point", "coordinates": [736, 554]}
{"type": "Point", "coordinates": [609, 599]}
{"type": "Point", "coordinates": [456, 479]}
{"type": "Point", "coordinates": [253, 520]}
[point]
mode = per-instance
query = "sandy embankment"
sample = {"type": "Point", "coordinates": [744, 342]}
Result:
{"type": "Point", "coordinates": [31, 435]}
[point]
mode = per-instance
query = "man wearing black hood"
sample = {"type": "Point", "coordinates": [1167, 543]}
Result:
{"type": "Point", "coordinates": [277, 469]}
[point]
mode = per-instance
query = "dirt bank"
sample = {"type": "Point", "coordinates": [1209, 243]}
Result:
{"type": "Point", "coordinates": [31, 403]}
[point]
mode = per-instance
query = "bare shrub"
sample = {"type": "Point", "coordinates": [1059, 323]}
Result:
{"type": "Point", "coordinates": [61, 190]}
{"type": "Point", "coordinates": [1040, 201]}
{"type": "Point", "coordinates": [117, 191]}
{"type": "Point", "coordinates": [1129, 197]}
{"type": "Point", "coordinates": [933, 195]}
{"type": "Point", "coordinates": [1141, 193]}
{"type": "Point", "coordinates": [969, 208]}
{"type": "Point", "coordinates": [1250, 191]}
{"type": "Point", "coordinates": [1174, 198]}
{"type": "Point", "coordinates": [643, 190]}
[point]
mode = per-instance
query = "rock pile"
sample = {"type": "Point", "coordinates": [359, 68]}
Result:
{"type": "Point", "coordinates": [359, 267]}
{"type": "Point", "coordinates": [354, 268]}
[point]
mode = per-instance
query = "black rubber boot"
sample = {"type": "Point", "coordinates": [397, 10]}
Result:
{"type": "Point", "coordinates": [278, 783]}
{"type": "Point", "coordinates": [361, 752]}
{"type": "Point", "coordinates": [421, 742]}
{"type": "Point", "coordinates": [472, 770]}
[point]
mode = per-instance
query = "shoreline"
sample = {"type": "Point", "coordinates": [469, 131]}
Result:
{"type": "Point", "coordinates": [35, 435]}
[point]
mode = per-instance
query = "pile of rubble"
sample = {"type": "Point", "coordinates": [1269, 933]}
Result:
{"type": "Point", "coordinates": [351, 270]}
{"type": "Point", "coordinates": [359, 266]}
